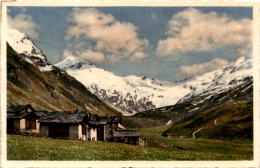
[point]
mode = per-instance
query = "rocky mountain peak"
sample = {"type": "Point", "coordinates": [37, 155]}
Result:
{"type": "Point", "coordinates": [24, 46]}
{"type": "Point", "coordinates": [73, 63]}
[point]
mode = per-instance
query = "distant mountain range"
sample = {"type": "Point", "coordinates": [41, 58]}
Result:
{"type": "Point", "coordinates": [133, 94]}
{"type": "Point", "coordinates": [217, 104]}
{"type": "Point", "coordinates": [222, 109]}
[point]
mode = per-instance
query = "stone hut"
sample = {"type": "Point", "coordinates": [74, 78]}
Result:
{"type": "Point", "coordinates": [22, 119]}
{"type": "Point", "coordinates": [67, 124]}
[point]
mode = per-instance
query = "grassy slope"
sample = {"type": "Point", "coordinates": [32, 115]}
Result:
{"type": "Point", "coordinates": [54, 90]}
{"type": "Point", "coordinates": [156, 117]}
{"type": "Point", "coordinates": [233, 120]}
{"type": "Point", "coordinates": [191, 107]}
{"type": "Point", "coordinates": [160, 148]}
{"type": "Point", "coordinates": [226, 121]}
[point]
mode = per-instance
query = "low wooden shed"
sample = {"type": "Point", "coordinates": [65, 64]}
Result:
{"type": "Point", "coordinates": [127, 136]}
{"type": "Point", "coordinates": [67, 124]}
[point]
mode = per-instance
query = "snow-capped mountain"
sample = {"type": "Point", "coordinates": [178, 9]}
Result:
{"type": "Point", "coordinates": [132, 94]}
{"type": "Point", "coordinates": [228, 86]}
{"type": "Point", "coordinates": [225, 78]}
{"type": "Point", "coordinates": [24, 46]}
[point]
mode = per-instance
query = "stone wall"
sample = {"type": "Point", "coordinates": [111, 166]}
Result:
{"type": "Point", "coordinates": [37, 126]}
{"type": "Point", "coordinates": [92, 134]}
{"type": "Point", "coordinates": [80, 132]}
{"type": "Point", "coordinates": [73, 131]}
{"type": "Point", "coordinates": [108, 131]}
{"type": "Point", "coordinates": [44, 130]}
{"type": "Point", "coordinates": [22, 125]}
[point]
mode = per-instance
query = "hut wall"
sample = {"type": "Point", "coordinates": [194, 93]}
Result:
{"type": "Point", "coordinates": [133, 140]}
{"type": "Point", "coordinates": [84, 132]}
{"type": "Point", "coordinates": [80, 136]}
{"type": "Point", "coordinates": [108, 131]}
{"type": "Point", "coordinates": [74, 131]}
{"type": "Point", "coordinates": [37, 126]}
{"type": "Point", "coordinates": [44, 130]}
{"type": "Point", "coordinates": [142, 142]}
{"type": "Point", "coordinates": [29, 128]}
{"type": "Point", "coordinates": [92, 134]}
{"type": "Point", "coordinates": [22, 125]}
{"type": "Point", "coordinates": [16, 126]}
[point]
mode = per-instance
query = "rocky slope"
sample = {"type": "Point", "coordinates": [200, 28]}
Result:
{"type": "Point", "coordinates": [52, 90]}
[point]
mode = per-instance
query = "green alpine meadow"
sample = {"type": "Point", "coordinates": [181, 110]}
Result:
{"type": "Point", "coordinates": [159, 148]}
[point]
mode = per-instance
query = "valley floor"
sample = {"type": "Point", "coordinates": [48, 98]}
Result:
{"type": "Point", "coordinates": [159, 148]}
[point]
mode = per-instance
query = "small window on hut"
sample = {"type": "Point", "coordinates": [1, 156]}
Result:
{"type": "Point", "coordinates": [31, 124]}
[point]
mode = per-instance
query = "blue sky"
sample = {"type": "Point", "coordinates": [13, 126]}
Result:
{"type": "Point", "coordinates": [168, 43]}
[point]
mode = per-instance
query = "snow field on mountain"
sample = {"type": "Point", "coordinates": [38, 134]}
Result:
{"type": "Point", "coordinates": [161, 94]}
{"type": "Point", "coordinates": [135, 86]}
{"type": "Point", "coordinates": [22, 44]}
{"type": "Point", "coordinates": [131, 91]}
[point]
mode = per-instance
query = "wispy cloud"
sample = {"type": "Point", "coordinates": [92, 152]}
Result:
{"type": "Point", "coordinates": [24, 23]}
{"type": "Point", "coordinates": [110, 40]}
{"type": "Point", "coordinates": [193, 30]}
{"type": "Point", "coordinates": [196, 69]}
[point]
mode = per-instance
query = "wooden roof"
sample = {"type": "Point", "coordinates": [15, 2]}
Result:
{"type": "Point", "coordinates": [63, 117]}
{"type": "Point", "coordinates": [14, 112]}
{"type": "Point", "coordinates": [15, 115]}
{"type": "Point", "coordinates": [18, 108]}
{"type": "Point", "coordinates": [126, 133]}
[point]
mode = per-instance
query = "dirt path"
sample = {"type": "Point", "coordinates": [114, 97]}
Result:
{"type": "Point", "coordinates": [193, 134]}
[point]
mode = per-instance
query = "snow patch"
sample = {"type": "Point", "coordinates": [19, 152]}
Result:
{"type": "Point", "coordinates": [46, 68]}
{"type": "Point", "coordinates": [169, 122]}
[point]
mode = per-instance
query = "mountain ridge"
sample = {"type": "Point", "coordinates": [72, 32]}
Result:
{"type": "Point", "coordinates": [153, 93]}
{"type": "Point", "coordinates": [132, 94]}
{"type": "Point", "coordinates": [52, 90]}
{"type": "Point", "coordinates": [24, 46]}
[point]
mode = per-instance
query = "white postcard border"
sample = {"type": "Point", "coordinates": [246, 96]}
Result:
{"type": "Point", "coordinates": [256, 49]}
